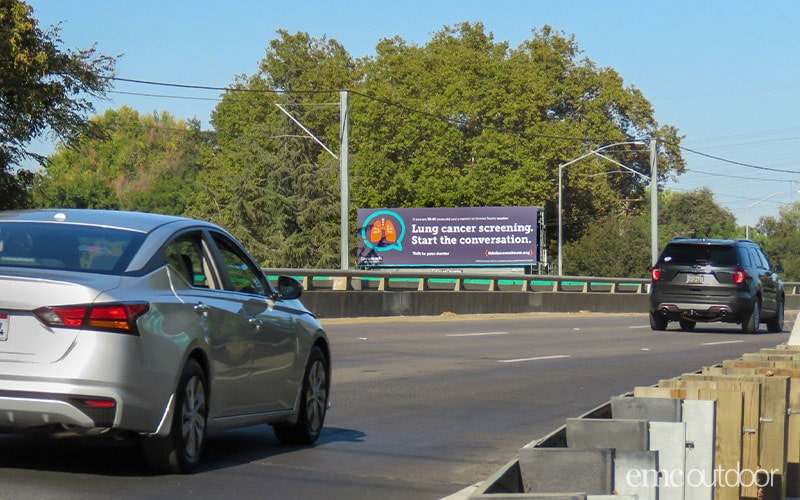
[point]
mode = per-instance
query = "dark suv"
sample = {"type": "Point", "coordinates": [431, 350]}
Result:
{"type": "Point", "coordinates": [715, 280]}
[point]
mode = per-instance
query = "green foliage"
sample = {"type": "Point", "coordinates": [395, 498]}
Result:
{"type": "Point", "coordinates": [694, 214]}
{"type": "Point", "coordinates": [496, 124]}
{"type": "Point", "coordinates": [41, 87]}
{"type": "Point", "coordinates": [613, 247]}
{"type": "Point", "coordinates": [780, 237]}
{"type": "Point", "coordinates": [619, 245]}
{"type": "Point", "coordinates": [146, 163]}
{"type": "Point", "coordinates": [461, 121]}
{"type": "Point", "coordinates": [269, 183]}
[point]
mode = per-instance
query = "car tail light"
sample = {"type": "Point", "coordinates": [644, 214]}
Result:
{"type": "Point", "coordinates": [116, 317]}
{"type": "Point", "coordinates": [655, 273]}
{"type": "Point", "coordinates": [739, 276]}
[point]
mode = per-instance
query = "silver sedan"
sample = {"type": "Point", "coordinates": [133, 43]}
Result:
{"type": "Point", "coordinates": [155, 326]}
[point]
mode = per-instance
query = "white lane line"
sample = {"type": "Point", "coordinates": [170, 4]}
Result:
{"type": "Point", "coordinates": [481, 334]}
{"type": "Point", "coordinates": [520, 360]}
{"type": "Point", "coordinates": [639, 327]}
{"type": "Point", "coordinates": [725, 342]}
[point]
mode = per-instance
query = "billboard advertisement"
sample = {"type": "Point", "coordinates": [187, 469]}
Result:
{"type": "Point", "coordinates": [425, 237]}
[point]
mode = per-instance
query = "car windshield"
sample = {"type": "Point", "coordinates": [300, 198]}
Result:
{"type": "Point", "coordinates": [67, 246]}
{"type": "Point", "coordinates": [715, 255]}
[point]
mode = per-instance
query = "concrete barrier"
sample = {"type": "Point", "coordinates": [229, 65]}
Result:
{"type": "Point", "coordinates": [356, 303]}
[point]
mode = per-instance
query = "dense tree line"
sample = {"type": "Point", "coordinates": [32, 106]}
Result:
{"type": "Point", "coordinates": [463, 120]}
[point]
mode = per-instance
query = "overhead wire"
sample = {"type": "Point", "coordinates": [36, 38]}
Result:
{"type": "Point", "coordinates": [412, 110]}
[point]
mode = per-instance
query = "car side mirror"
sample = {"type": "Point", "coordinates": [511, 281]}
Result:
{"type": "Point", "coordinates": [779, 268]}
{"type": "Point", "coordinates": [289, 288]}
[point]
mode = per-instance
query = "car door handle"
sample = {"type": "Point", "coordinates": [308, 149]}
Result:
{"type": "Point", "coordinates": [201, 308]}
{"type": "Point", "coordinates": [255, 323]}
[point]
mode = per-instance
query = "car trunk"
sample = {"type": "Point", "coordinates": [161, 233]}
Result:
{"type": "Point", "coordinates": [24, 338]}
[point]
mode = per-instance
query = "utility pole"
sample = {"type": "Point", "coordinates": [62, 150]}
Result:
{"type": "Point", "coordinates": [344, 176]}
{"type": "Point", "coordinates": [654, 201]}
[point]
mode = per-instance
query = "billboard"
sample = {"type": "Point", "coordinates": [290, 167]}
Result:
{"type": "Point", "coordinates": [425, 237]}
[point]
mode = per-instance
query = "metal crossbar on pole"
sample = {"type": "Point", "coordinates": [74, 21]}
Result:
{"type": "Point", "coordinates": [653, 193]}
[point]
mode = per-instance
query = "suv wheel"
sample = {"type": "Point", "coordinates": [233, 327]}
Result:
{"type": "Point", "coordinates": [687, 325]}
{"type": "Point", "coordinates": [751, 324]}
{"type": "Point", "coordinates": [658, 321]}
{"type": "Point", "coordinates": [775, 325]}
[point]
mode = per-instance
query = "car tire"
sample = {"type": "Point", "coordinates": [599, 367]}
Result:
{"type": "Point", "coordinates": [313, 404]}
{"type": "Point", "coordinates": [775, 325]}
{"type": "Point", "coordinates": [687, 325]}
{"type": "Point", "coordinates": [658, 321]}
{"type": "Point", "coordinates": [753, 321]}
{"type": "Point", "coordinates": [179, 452]}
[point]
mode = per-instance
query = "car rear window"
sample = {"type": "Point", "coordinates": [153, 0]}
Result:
{"type": "Point", "coordinates": [67, 246]}
{"type": "Point", "coordinates": [715, 255]}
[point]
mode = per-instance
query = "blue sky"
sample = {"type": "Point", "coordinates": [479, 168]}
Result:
{"type": "Point", "coordinates": [726, 73]}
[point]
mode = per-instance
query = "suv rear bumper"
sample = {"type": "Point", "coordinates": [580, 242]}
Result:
{"type": "Point", "coordinates": [700, 312]}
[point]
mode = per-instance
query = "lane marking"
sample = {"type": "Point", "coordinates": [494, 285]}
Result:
{"type": "Point", "coordinates": [725, 342]}
{"type": "Point", "coordinates": [520, 360]}
{"type": "Point", "coordinates": [475, 334]}
{"type": "Point", "coordinates": [639, 327]}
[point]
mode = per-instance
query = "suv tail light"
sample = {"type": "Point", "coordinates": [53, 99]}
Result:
{"type": "Point", "coordinates": [655, 273]}
{"type": "Point", "coordinates": [739, 275]}
{"type": "Point", "coordinates": [114, 317]}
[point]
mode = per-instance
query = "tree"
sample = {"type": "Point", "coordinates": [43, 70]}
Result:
{"type": "Point", "coordinates": [613, 247]}
{"type": "Point", "coordinates": [146, 163]}
{"type": "Point", "coordinates": [780, 237]}
{"type": "Point", "coordinates": [694, 214]}
{"type": "Point", "coordinates": [269, 183]}
{"type": "Point", "coordinates": [42, 88]}
{"type": "Point", "coordinates": [619, 245]}
{"type": "Point", "coordinates": [467, 121]}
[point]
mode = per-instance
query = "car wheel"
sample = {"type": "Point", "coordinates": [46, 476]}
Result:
{"type": "Point", "coordinates": [313, 404]}
{"type": "Point", "coordinates": [179, 452]}
{"type": "Point", "coordinates": [687, 325]}
{"type": "Point", "coordinates": [751, 324]}
{"type": "Point", "coordinates": [658, 321]}
{"type": "Point", "coordinates": [775, 325]}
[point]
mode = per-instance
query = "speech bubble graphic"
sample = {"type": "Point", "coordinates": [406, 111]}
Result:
{"type": "Point", "coordinates": [387, 222]}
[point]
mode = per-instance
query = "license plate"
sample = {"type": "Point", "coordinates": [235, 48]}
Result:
{"type": "Point", "coordinates": [4, 321]}
{"type": "Point", "coordinates": [694, 279]}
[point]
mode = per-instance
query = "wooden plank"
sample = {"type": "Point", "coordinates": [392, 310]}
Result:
{"type": "Point", "coordinates": [772, 422]}
{"type": "Point", "coordinates": [793, 410]}
{"type": "Point", "coordinates": [655, 392]}
{"type": "Point", "coordinates": [683, 390]}
{"type": "Point", "coordinates": [777, 350]}
{"type": "Point", "coordinates": [739, 427]}
{"type": "Point", "coordinates": [751, 425]}
{"type": "Point", "coordinates": [728, 443]}
{"type": "Point", "coordinates": [753, 356]}
{"type": "Point", "coordinates": [738, 363]}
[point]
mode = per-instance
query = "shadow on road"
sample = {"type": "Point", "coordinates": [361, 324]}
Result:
{"type": "Point", "coordinates": [123, 457]}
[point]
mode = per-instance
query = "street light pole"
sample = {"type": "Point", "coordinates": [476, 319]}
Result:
{"type": "Point", "coordinates": [653, 202]}
{"type": "Point", "coordinates": [747, 221]}
{"type": "Point", "coordinates": [653, 189]}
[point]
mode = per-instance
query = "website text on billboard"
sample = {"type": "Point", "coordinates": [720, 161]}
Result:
{"type": "Point", "coordinates": [424, 237]}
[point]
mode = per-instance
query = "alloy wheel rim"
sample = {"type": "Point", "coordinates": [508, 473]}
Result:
{"type": "Point", "coordinates": [193, 418]}
{"type": "Point", "coordinates": [317, 396]}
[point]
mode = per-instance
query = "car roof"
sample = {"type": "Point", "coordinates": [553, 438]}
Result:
{"type": "Point", "coordinates": [709, 241]}
{"type": "Point", "coordinates": [135, 221]}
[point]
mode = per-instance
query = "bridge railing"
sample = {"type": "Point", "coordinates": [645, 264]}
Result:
{"type": "Point", "coordinates": [394, 280]}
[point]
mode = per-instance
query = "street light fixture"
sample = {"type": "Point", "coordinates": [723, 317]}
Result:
{"type": "Point", "coordinates": [653, 192]}
{"type": "Point", "coordinates": [747, 221]}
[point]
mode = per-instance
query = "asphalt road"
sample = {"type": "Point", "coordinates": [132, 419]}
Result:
{"type": "Point", "coordinates": [421, 409]}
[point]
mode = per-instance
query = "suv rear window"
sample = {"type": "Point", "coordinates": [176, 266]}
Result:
{"type": "Point", "coordinates": [66, 246]}
{"type": "Point", "coordinates": [688, 254]}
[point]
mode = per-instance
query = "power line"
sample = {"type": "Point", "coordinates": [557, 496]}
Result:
{"type": "Point", "coordinates": [450, 120]}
